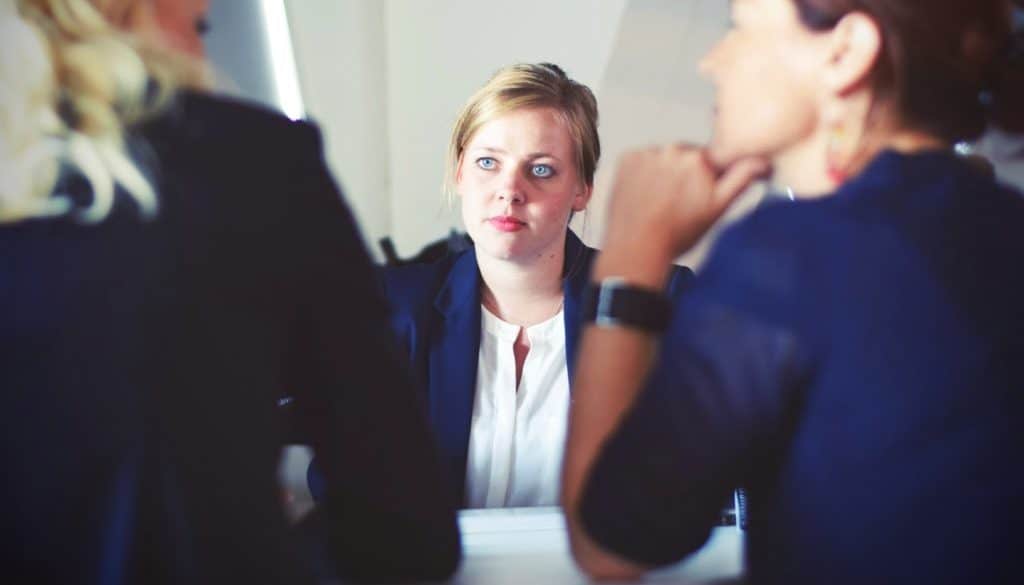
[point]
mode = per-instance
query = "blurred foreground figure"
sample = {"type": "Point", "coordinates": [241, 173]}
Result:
{"type": "Point", "coordinates": [170, 264]}
{"type": "Point", "coordinates": [854, 357]}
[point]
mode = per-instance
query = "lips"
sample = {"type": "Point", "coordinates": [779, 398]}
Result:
{"type": "Point", "coordinates": [506, 223]}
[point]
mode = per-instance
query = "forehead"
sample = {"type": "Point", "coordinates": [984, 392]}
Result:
{"type": "Point", "coordinates": [535, 128]}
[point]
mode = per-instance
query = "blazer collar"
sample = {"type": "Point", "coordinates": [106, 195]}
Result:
{"type": "Point", "coordinates": [462, 287]}
{"type": "Point", "coordinates": [463, 283]}
{"type": "Point", "coordinates": [453, 356]}
{"type": "Point", "coordinates": [576, 274]}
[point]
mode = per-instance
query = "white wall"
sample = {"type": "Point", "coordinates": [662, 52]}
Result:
{"type": "Point", "coordinates": [341, 61]}
{"type": "Point", "coordinates": [238, 47]}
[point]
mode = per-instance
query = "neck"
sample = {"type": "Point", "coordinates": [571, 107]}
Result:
{"type": "Point", "coordinates": [523, 293]}
{"type": "Point", "coordinates": [803, 168]}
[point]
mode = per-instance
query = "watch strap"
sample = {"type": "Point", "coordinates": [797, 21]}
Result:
{"type": "Point", "coordinates": [614, 303]}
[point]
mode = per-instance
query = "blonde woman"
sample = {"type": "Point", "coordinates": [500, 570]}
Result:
{"type": "Point", "coordinates": [490, 331]}
{"type": "Point", "coordinates": [170, 264]}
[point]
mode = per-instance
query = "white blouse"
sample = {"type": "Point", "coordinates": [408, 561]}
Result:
{"type": "Point", "coordinates": [517, 437]}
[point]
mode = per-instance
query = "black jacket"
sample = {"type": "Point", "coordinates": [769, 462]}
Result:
{"type": "Point", "coordinates": [141, 363]}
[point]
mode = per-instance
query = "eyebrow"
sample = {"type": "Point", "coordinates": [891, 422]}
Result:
{"type": "Point", "coordinates": [532, 155]}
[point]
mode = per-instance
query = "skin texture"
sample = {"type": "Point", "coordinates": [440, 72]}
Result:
{"type": "Point", "coordinates": [520, 165]}
{"type": "Point", "coordinates": [781, 91]}
{"type": "Point", "coordinates": [768, 54]}
{"type": "Point", "coordinates": [178, 24]}
{"type": "Point", "coordinates": [183, 22]}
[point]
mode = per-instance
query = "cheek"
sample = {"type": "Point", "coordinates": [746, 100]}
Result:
{"type": "Point", "coordinates": [781, 114]}
{"type": "Point", "coordinates": [467, 207]}
{"type": "Point", "coordinates": [555, 209]}
{"type": "Point", "coordinates": [763, 108]}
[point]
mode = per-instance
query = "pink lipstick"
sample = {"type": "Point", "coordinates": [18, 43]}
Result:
{"type": "Point", "coordinates": [506, 223]}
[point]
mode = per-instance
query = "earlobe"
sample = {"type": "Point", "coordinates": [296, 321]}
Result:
{"type": "Point", "coordinates": [856, 47]}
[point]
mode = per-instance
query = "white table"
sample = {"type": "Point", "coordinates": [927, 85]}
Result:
{"type": "Point", "coordinates": [525, 546]}
{"type": "Point", "coordinates": [529, 546]}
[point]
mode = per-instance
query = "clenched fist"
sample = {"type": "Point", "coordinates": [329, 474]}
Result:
{"type": "Point", "coordinates": [665, 198]}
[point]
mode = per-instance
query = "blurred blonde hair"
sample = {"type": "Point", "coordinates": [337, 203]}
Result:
{"type": "Point", "coordinates": [70, 85]}
{"type": "Point", "coordinates": [530, 85]}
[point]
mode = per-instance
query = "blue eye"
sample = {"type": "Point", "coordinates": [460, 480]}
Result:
{"type": "Point", "coordinates": [542, 171]}
{"type": "Point", "coordinates": [486, 163]}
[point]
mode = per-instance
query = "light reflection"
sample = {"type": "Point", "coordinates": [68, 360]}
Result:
{"type": "Point", "coordinates": [282, 58]}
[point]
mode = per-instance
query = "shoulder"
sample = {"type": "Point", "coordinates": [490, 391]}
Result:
{"type": "Point", "coordinates": [582, 260]}
{"type": "Point", "coordinates": [413, 286]}
{"type": "Point", "coordinates": [774, 227]}
{"type": "Point", "coordinates": [238, 131]}
{"type": "Point", "coordinates": [761, 264]}
{"type": "Point", "coordinates": [215, 114]}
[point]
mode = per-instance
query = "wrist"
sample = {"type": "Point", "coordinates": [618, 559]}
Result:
{"type": "Point", "coordinates": [612, 302]}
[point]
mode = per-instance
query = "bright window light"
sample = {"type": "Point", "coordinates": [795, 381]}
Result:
{"type": "Point", "coordinates": [282, 58]}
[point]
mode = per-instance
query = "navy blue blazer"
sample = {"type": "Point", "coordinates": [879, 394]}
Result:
{"type": "Point", "coordinates": [436, 317]}
{"type": "Point", "coordinates": [141, 362]}
{"type": "Point", "coordinates": [856, 362]}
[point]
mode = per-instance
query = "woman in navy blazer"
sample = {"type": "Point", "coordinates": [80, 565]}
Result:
{"type": "Point", "coordinates": [437, 317]}
{"type": "Point", "coordinates": [521, 160]}
{"type": "Point", "coordinates": [854, 357]}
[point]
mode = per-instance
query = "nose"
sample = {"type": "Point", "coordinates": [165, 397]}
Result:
{"type": "Point", "coordinates": [511, 188]}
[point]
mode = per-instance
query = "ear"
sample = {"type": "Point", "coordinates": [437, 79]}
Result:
{"type": "Point", "coordinates": [855, 47]}
{"type": "Point", "coordinates": [582, 198]}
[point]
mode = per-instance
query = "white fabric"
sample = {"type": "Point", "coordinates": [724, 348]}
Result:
{"type": "Point", "coordinates": [517, 437]}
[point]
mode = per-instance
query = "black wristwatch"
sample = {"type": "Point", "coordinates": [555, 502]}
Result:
{"type": "Point", "coordinates": [613, 302]}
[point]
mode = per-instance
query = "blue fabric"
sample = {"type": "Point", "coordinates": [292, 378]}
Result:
{"type": "Point", "coordinates": [141, 360]}
{"type": "Point", "coordinates": [856, 361]}
{"type": "Point", "coordinates": [436, 317]}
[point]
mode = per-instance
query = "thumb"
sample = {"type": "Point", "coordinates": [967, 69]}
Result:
{"type": "Point", "coordinates": [736, 178]}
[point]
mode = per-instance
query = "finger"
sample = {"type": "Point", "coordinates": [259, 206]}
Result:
{"type": "Point", "coordinates": [737, 178]}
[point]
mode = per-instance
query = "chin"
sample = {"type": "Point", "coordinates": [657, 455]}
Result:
{"type": "Point", "coordinates": [499, 248]}
{"type": "Point", "coordinates": [722, 154]}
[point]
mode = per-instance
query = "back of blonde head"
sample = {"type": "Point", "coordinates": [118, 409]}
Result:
{"type": "Point", "coordinates": [70, 85]}
{"type": "Point", "coordinates": [530, 85]}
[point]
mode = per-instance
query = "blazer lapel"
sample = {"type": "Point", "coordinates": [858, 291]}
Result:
{"type": "Point", "coordinates": [453, 361]}
{"type": "Point", "coordinates": [576, 274]}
